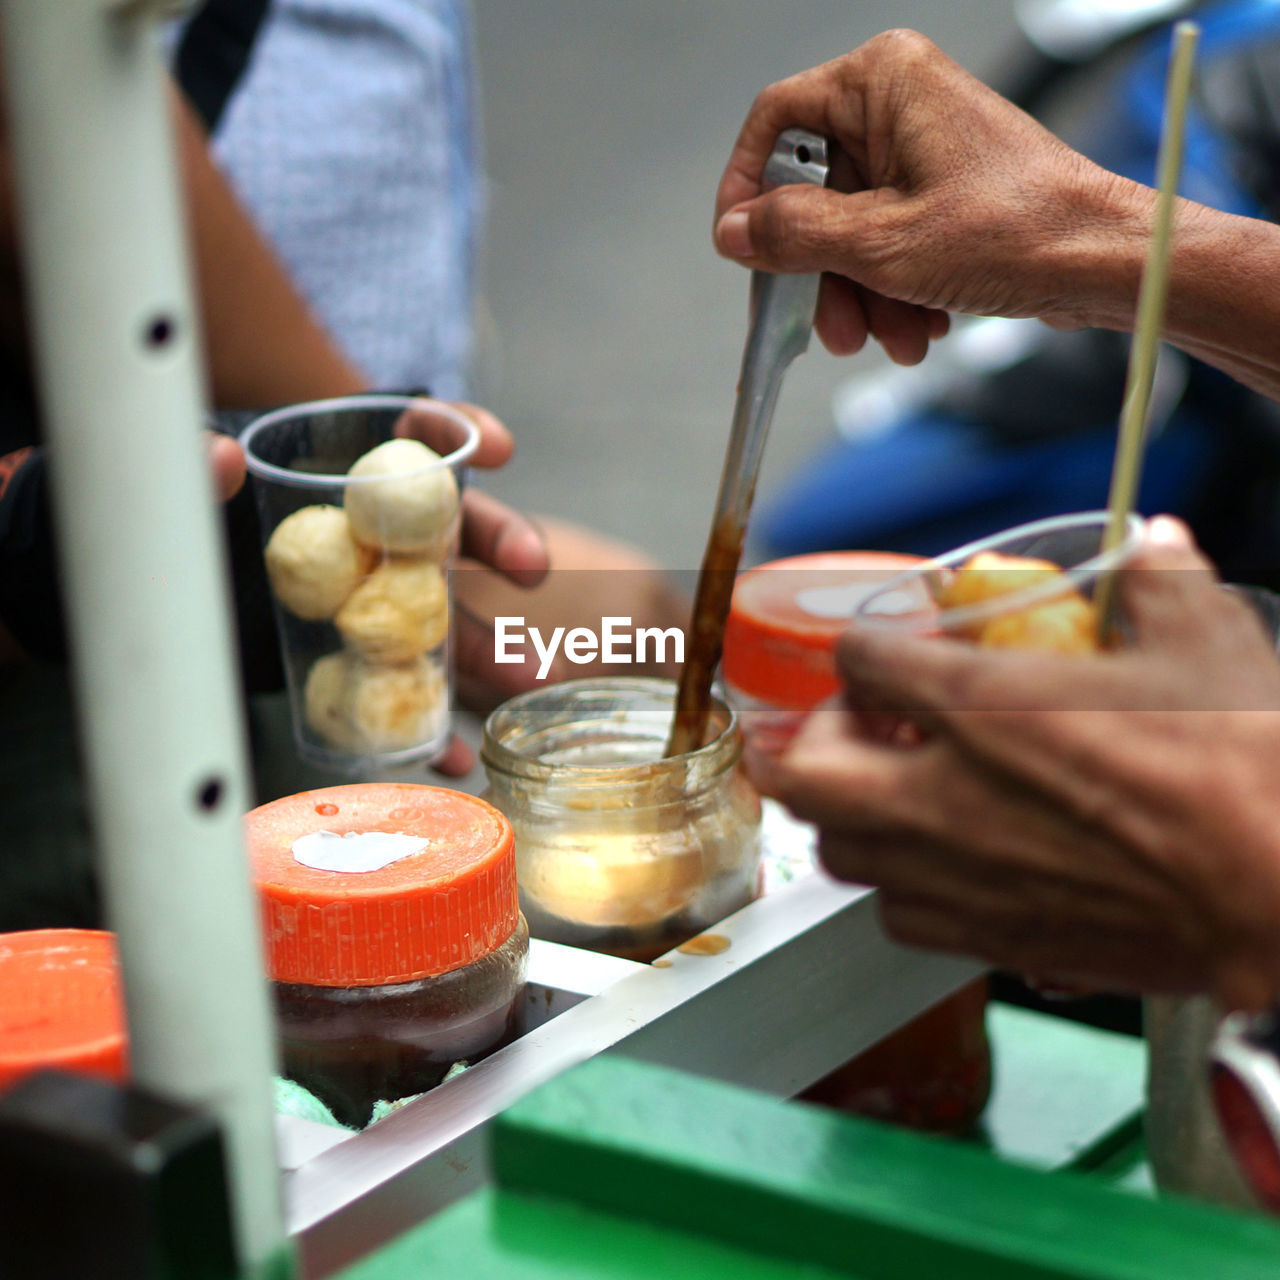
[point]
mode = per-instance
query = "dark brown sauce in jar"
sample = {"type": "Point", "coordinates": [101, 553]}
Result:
{"type": "Point", "coordinates": [933, 1073]}
{"type": "Point", "coordinates": [351, 1046]}
{"type": "Point", "coordinates": [393, 935]}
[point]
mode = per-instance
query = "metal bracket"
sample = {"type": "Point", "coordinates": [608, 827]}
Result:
{"type": "Point", "coordinates": [809, 980]}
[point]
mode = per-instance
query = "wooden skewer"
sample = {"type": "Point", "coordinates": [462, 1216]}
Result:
{"type": "Point", "coordinates": [1127, 468]}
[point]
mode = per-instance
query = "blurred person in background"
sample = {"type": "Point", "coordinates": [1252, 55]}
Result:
{"type": "Point", "coordinates": [262, 345]}
{"type": "Point", "coordinates": [350, 131]}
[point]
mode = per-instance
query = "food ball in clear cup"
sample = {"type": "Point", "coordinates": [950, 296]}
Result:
{"type": "Point", "coordinates": [397, 707]}
{"type": "Point", "coordinates": [355, 706]}
{"type": "Point", "coordinates": [1066, 626]}
{"type": "Point", "coordinates": [990, 574]}
{"type": "Point", "coordinates": [399, 611]}
{"type": "Point", "coordinates": [1066, 623]}
{"type": "Point", "coordinates": [325, 698]}
{"type": "Point", "coordinates": [412, 509]}
{"type": "Point", "coordinates": [314, 562]}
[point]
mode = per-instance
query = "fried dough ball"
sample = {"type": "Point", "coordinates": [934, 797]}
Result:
{"type": "Point", "coordinates": [361, 708]}
{"type": "Point", "coordinates": [1069, 625]}
{"type": "Point", "coordinates": [398, 612]}
{"type": "Point", "coordinates": [990, 574]}
{"type": "Point", "coordinates": [314, 562]}
{"type": "Point", "coordinates": [397, 707]}
{"type": "Point", "coordinates": [1063, 624]}
{"type": "Point", "coordinates": [412, 510]}
{"type": "Point", "coordinates": [325, 698]}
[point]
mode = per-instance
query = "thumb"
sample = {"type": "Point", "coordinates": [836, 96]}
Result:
{"type": "Point", "coordinates": [1168, 585]}
{"type": "Point", "coordinates": [226, 459]}
{"type": "Point", "coordinates": [801, 229]}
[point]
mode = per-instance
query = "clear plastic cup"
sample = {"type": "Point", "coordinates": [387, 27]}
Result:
{"type": "Point", "coordinates": [360, 527]}
{"type": "Point", "coordinates": [1072, 545]}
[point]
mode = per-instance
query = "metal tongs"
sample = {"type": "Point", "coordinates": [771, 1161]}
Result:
{"type": "Point", "coordinates": [782, 312]}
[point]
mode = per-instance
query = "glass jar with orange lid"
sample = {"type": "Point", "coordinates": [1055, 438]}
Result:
{"type": "Point", "coordinates": [934, 1073]}
{"type": "Point", "coordinates": [393, 934]}
{"type": "Point", "coordinates": [61, 1004]}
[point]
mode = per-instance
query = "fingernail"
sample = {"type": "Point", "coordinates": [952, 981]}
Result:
{"type": "Point", "coordinates": [733, 235]}
{"type": "Point", "coordinates": [1164, 531]}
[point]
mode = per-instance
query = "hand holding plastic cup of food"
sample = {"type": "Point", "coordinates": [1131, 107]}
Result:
{"type": "Point", "coordinates": [359, 502]}
{"type": "Point", "coordinates": [1051, 814]}
{"type": "Point", "coordinates": [1029, 588]}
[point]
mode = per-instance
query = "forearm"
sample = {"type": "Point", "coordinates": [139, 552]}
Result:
{"type": "Point", "coordinates": [1224, 284]}
{"type": "Point", "coordinates": [263, 346]}
{"type": "Point", "coordinates": [1224, 297]}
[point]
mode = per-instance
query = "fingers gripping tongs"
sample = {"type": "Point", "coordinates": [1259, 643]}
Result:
{"type": "Point", "coordinates": [782, 312]}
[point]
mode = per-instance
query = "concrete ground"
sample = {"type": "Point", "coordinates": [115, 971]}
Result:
{"type": "Point", "coordinates": [612, 333]}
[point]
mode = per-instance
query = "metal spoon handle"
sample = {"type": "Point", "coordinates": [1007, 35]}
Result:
{"type": "Point", "coordinates": [782, 311]}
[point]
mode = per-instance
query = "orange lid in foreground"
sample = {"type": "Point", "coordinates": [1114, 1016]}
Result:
{"type": "Point", "coordinates": [61, 1004]}
{"type": "Point", "coordinates": [428, 913]}
{"type": "Point", "coordinates": [786, 615]}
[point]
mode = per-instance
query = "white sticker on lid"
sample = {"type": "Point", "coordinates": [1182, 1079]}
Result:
{"type": "Point", "coordinates": [356, 851]}
{"type": "Point", "coordinates": [896, 603]}
{"type": "Point", "coordinates": [834, 602]}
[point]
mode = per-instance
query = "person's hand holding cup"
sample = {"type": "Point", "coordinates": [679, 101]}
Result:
{"type": "Point", "coordinates": [360, 506]}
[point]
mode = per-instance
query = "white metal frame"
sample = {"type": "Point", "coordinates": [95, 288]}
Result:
{"type": "Point", "coordinates": [809, 980]}
{"type": "Point", "coordinates": [117, 353]}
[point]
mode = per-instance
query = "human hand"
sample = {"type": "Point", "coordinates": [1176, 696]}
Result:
{"type": "Point", "coordinates": [1112, 820]}
{"type": "Point", "coordinates": [226, 460]}
{"type": "Point", "coordinates": [948, 198]}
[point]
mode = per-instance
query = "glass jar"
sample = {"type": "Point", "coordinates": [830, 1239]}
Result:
{"type": "Point", "coordinates": [393, 934]}
{"type": "Point", "coordinates": [933, 1073]}
{"type": "Point", "coordinates": [619, 849]}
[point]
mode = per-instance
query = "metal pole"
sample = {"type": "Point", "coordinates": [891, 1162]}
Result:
{"type": "Point", "coordinates": [117, 353]}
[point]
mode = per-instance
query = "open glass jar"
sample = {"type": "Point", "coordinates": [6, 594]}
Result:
{"type": "Point", "coordinates": [618, 849]}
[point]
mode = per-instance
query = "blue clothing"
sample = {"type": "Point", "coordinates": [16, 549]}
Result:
{"type": "Point", "coordinates": [352, 139]}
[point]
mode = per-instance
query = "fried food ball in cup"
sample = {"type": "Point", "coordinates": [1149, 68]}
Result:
{"type": "Point", "coordinates": [411, 509]}
{"type": "Point", "coordinates": [314, 562]}
{"type": "Point", "coordinates": [399, 611]}
{"type": "Point", "coordinates": [1065, 623]}
{"type": "Point", "coordinates": [358, 707]}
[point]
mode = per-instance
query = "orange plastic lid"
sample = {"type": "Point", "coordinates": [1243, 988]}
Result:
{"type": "Point", "coordinates": [61, 1004]}
{"type": "Point", "coordinates": [785, 618]}
{"type": "Point", "coordinates": [432, 911]}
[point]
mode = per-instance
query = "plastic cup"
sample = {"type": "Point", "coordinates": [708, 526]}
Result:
{"type": "Point", "coordinates": [1072, 544]}
{"type": "Point", "coordinates": [359, 570]}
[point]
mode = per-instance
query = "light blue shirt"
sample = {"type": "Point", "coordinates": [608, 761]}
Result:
{"type": "Point", "coordinates": [352, 139]}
